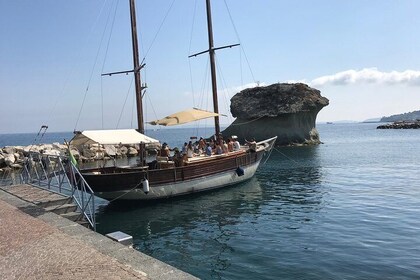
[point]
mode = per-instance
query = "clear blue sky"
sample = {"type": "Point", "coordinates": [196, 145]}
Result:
{"type": "Point", "coordinates": [363, 55]}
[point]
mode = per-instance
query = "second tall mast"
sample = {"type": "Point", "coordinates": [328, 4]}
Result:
{"type": "Point", "coordinates": [212, 68]}
{"type": "Point", "coordinates": [136, 62]}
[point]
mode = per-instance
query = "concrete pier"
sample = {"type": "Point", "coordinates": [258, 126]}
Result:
{"type": "Point", "coordinates": [36, 244]}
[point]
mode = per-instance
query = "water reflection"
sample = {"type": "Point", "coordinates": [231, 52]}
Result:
{"type": "Point", "coordinates": [210, 228]}
{"type": "Point", "coordinates": [223, 206]}
{"type": "Point", "coordinates": [182, 228]}
{"type": "Point", "coordinates": [293, 176]}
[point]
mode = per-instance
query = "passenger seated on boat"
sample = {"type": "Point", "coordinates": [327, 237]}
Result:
{"type": "Point", "coordinates": [252, 145]}
{"type": "Point", "coordinates": [202, 145]}
{"type": "Point", "coordinates": [190, 150]}
{"type": "Point", "coordinates": [212, 144]}
{"type": "Point", "coordinates": [219, 136]}
{"type": "Point", "coordinates": [165, 151]}
{"type": "Point", "coordinates": [236, 145]}
{"type": "Point", "coordinates": [230, 145]}
{"type": "Point", "coordinates": [225, 147]}
{"type": "Point", "coordinates": [208, 150]}
{"type": "Point", "coordinates": [177, 158]}
{"type": "Point", "coordinates": [176, 153]}
{"type": "Point", "coordinates": [196, 149]}
{"type": "Point", "coordinates": [218, 150]}
{"type": "Point", "coordinates": [184, 149]}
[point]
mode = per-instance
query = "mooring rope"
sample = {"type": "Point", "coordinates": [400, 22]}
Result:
{"type": "Point", "coordinates": [118, 197]}
{"type": "Point", "coordinates": [295, 162]}
{"type": "Point", "coordinates": [271, 150]}
{"type": "Point", "coordinates": [248, 121]}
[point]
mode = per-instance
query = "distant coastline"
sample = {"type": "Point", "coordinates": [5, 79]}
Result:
{"type": "Point", "coordinates": [410, 116]}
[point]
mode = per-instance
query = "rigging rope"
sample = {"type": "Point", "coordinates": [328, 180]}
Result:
{"type": "Point", "coordinates": [91, 73]}
{"type": "Point", "coordinates": [132, 110]}
{"type": "Point", "coordinates": [72, 70]}
{"type": "Point", "coordinates": [226, 89]}
{"type": "Point", "coordinates": [153, 109]}
{"type": "Point", "coordinates": [248, 122]}
{"type": "Point", "coordinates": [204, 85]}
{"type": "Point", "coordinates": [103, 64]}
{"type": "Point", "coordinates": [239, 39]}
{"type": "Point", "coordinates": [157, 33]}
{"type": "Point", "coordinates": [125, 101]}
{"type": "Point", "coordinates": [240, 66]}
{"type": "Point", "coordinates": [189, 51]}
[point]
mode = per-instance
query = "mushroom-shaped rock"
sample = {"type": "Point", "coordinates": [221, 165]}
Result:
{"type": "Point", "coordinates": [287, 111]}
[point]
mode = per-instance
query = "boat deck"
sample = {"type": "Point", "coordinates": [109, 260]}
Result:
{"type": "Point", "coordinates": [202, 157]}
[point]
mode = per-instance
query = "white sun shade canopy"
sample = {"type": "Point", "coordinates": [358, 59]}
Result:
{"type": "Point", "coordinates": [111, 137]}
{"type": "Point", "coordinates": [186, 116]}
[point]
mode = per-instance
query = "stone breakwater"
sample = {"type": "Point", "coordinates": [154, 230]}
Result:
{"type": "Point", "coordinates": [14, 156]}
{"type": "Point", "coordinates": [401, 125]}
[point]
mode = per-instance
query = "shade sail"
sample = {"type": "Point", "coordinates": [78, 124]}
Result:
{"type": "Point", "coordinates": [111, 137]}
{"type": "Point", "coordinates": [186, 116]}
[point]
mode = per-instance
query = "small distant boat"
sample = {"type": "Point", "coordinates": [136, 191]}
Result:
{"type": "Point", "coordinates": [329, 123]}
{"type": "Point", "coordinates": [165, 178]}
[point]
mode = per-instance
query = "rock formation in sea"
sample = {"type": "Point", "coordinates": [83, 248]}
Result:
{"type": "Point", "coordinates": [401, 125]}
{"type": "Point", "coordinates": [287, 111]}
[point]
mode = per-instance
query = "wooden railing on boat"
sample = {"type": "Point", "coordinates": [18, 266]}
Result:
{"type": "Point", "coordinates": [203, 166]}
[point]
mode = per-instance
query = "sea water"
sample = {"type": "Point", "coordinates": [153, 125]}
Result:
{"type": "Point", "coordinates": [346, 209]}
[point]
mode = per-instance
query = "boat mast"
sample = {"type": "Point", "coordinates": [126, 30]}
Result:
{"type": "Point", "coordinates": [212, 68]}
{"type": "Point", "coordinates": [137, 68]}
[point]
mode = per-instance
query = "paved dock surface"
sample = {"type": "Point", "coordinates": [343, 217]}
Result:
{"type": "Point", "coordinates": [35, 244]}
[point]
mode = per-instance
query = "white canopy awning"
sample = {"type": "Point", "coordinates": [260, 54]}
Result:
{"type": "Point", "coordinates": [186, 116]}
{"type": "Point", "coordinates": [111, 137]}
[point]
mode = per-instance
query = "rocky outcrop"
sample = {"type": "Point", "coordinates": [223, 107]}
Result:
{"type": "Point", "coordinates": [287, 111]}
{"type": "Point", "coordinates": [401, 125]}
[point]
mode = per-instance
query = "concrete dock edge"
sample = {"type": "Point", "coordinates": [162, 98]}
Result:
{"type": "Point", "coordinates": [144, 265]}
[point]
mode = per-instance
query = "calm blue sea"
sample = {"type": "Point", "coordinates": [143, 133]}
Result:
{"type": "Point", "coordinates": [25, 139]}
{"type": "Point", "coordinates": [346, 209]}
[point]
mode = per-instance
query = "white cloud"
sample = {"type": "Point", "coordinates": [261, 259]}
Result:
{"type": "Point", "coordinates": [296, 81]}
{"type": "Point", "coordinates": [237, 89]}
{"type": "Point", "coordinates": [370, 76]}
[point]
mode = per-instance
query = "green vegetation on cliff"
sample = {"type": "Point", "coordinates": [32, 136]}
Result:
{"type": "Point", "coordinates": [411, 116]}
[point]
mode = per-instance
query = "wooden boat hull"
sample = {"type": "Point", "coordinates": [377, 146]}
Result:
{"type": "Point", "coordinates": [127, 184]}
{"type": "Point", "coordinates": [168, 190]}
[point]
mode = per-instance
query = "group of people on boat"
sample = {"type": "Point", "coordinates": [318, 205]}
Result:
{"type": "Point", "coordinates": [202, 147]}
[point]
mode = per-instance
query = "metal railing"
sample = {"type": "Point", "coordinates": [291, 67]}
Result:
{"type": "Point", "coordinates": [57, 174]}
{"type": "Point", "coordinates": [7, 177]}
